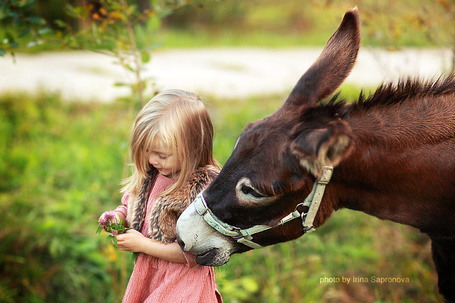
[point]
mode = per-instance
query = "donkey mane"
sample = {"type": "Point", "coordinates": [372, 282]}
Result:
{"type": "Point", "coordinates": [390, 94]}
{"type": "Point", "coordinates": [407, 89]}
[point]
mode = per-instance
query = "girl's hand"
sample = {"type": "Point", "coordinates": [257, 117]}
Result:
{"type": "Point", "coordinates": [132, 241]}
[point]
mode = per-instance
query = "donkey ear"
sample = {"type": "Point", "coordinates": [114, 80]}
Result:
{"type": "Point", "coordinates": [324, 146]}
{"type": "Point", "coordinates": [332, 66]}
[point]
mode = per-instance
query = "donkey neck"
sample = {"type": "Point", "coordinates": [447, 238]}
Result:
{"type": "Point", "coordinates": [401, 167]}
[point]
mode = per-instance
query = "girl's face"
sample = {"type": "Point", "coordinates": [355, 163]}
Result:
{"type": "Point", "coordinates": [163, 159]}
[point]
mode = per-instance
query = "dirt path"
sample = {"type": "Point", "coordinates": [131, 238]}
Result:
{"type": "Point", "coordinates": [226, 72]}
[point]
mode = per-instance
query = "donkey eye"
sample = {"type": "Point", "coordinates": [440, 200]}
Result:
{"type": "Point", "coordinates": [249, 191]}
{"type": "Point", "coordinates": [248, 195]}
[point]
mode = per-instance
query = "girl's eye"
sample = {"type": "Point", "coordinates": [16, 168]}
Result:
{"type": "Point", "coordinates": [162, 157]}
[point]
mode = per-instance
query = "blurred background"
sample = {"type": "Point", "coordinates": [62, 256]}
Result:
{"type": "Point", "coordinates": [62, 156]}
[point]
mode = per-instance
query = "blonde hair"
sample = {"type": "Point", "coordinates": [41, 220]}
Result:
{"type": "Point", "coordinates": [179, 120]}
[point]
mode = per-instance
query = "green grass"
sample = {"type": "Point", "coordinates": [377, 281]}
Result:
{"type": "Point", "coordinates": [60, 169]}
{"type": "Point", "coordinates": [175, 38]}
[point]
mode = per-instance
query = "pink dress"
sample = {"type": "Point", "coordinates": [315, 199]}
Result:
{"type": "Point", "coordinates": [160, 281]}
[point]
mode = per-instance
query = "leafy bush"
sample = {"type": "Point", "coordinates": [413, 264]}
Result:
{"type": "Point", "coordinates": [60, 167]}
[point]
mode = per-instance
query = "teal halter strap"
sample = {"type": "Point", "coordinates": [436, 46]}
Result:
{"type": "Point", "coordinates": [244, 236]}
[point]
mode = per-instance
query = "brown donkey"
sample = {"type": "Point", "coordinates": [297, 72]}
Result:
{"type": "Point", "coordinates": [392, 156]}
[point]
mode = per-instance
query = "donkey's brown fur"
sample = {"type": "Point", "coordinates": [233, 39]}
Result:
{"type": "Point", "coordinates": [393, 156]}
{"type": "Point", "coordinates": [404, 136]}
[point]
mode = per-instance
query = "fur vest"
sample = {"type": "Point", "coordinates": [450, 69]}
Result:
{"type": "Point", "coordinates": [167, 209]}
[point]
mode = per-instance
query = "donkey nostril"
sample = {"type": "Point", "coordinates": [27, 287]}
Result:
{"type": "Point", "coordinates": [181, 243]}
{"type": "Point", "coordinates": [184, 246]}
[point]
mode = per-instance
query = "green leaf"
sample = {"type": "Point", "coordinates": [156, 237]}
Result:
{"type": "Point", "coordinates": [13, 14]}
{"type": "Point", "coordinates": [23, 5]}
{"type": "Point", "coordinates": [71, 11]}
{"type": "Point", "coordinates": [145, 57]}
{"type": "Point", "coordinates": [154, 23]}
{"type": "Point", "coordinates": [61, 23]}
{"type": "Point", "coordinates": [4, 11]}
{"type": "Point", "coordinates": [25, 32]}
{"type": "Point", "coordinates": [165, 13]}
{"type": "Point", "coordinates": [10, 37]}
{"type": "Point", "coordinates": [44, 30]}
{"type": "Point", "coordinates": [36, 20]}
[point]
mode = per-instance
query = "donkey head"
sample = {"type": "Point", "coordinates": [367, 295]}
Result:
{"type": "Point", "coordinates": [276, 160]}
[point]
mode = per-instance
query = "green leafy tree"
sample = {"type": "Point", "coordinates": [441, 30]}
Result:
{"type": "Point", "coordinates": [116, 28]}
{"type": "Point", "coordinates": [392, 24]}
{"type": "Point", "coordinates": [26, 25]}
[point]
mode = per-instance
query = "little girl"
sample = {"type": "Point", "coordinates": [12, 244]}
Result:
{"type": "Point", "coordinates": [171, 148]}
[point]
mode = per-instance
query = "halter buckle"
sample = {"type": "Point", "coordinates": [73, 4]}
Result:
{"type": "Point", "coordinates": [308, 229]}
{"type": "Point", "coordinates": [326, 175]}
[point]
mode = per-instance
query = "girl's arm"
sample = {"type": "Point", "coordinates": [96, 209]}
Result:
{"type": "Point", "coordinates": [134, 241]}
{"type": "Point", "coordinates": [120, 216]}
{"type": "Point", "coordinates": [121, 210]}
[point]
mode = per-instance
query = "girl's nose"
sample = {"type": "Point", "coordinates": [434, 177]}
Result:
{"type": "Point", "coordinates": [153, 160]}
